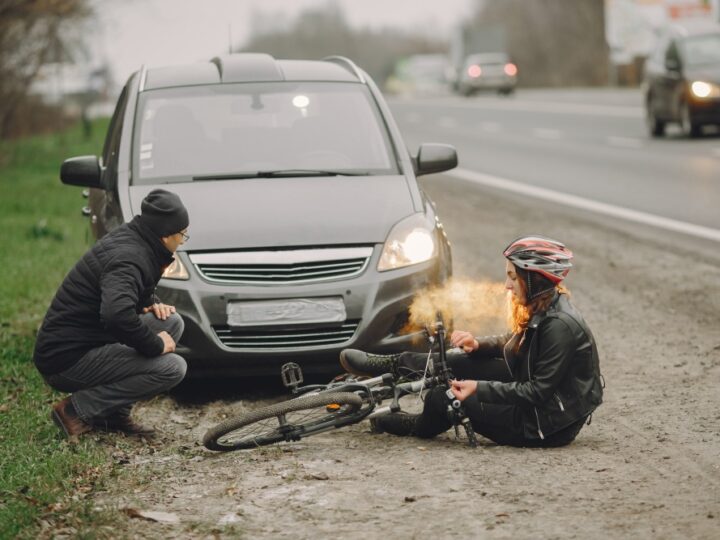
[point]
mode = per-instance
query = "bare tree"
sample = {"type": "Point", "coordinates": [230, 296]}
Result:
{"type": "Point", "coordinates": [33, 33]}
{"type": "Point", "coordinates": [316, 33]}
{"type": "Point", "coordinates": [554, 42]}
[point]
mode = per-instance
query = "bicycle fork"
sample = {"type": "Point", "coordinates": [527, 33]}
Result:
{"type": "Point", "coordinates": [456, 413]}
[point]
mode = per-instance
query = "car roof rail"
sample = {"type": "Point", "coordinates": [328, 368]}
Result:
{"type": "Point", "coordinates": [143, 78]}
{"type": "Point", "coordinates": [349, 64]}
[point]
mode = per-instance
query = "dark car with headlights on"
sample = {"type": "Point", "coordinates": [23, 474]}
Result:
{"type": "Point", "coordinates": [308, 230]}
{"type": "Point", "coordinates": [682, 79]}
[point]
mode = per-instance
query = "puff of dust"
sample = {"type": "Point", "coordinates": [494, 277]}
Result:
{"type": "Point", "coordinates": [480, 307]}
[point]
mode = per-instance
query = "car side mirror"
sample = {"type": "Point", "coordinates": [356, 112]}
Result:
{"type": "Point", "coordinates": [82, 171]}
{"type": "Point", "coordinates": [435, 158]}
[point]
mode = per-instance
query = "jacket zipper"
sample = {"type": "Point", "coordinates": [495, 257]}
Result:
{"type": "Point", "coordinates": [542, 436]}
{"type": "Point", "coordinates": [537, 417]}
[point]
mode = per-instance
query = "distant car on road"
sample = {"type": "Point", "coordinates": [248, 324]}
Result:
{"type": "Point", "coordinates": [308, 230]}
{"type": "Point", "coordinates": [420, 75]}
{"type": "Point", "coordinates": [487, 71]}
{"type": "Point", "coordinates": [682, 79]}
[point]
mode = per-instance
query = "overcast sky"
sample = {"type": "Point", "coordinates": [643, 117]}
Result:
{"type": "Point", "coordinates": [131, 33]}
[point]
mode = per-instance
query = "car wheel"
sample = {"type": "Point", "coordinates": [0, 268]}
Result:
{"type": "Point", "coordinates": [689, 128]}
{"type": "Point", "coordinates": [655, 127]}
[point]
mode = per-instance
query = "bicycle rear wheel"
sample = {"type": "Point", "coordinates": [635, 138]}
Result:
{"type": "Point", "coordinates": [287, 421]}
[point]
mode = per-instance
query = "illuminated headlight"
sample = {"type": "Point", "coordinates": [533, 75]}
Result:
{"type": "Point", "coordinates": [704, 89]}
{"type": "Point", "coordinates": [411, 241]}
{"type": "Point", "coordinates": [176, 270]}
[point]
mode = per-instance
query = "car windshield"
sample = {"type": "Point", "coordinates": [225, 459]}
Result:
{"type": "Point", "coordinates": [704, 49]}
{"type": "Point", "coordinates": [238, 130]}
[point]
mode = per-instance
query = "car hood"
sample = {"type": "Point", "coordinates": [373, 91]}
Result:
{"type": "Point", "coordinates": [274, 212]}
{"type": "Point", "coordinates": [708, 73]}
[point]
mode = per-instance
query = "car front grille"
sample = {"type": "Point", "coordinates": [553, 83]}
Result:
{"type": "Point", "coordinates": [276, 338]}
{"type": "Point", "coordinates": [282, 266]}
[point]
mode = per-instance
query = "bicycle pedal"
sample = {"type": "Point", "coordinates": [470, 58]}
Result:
{"type": "Point", "coordinates": [291, 375]}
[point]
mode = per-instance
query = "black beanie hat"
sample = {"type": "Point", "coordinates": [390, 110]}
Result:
{"type": "Point", "coordinates": [164, 213]}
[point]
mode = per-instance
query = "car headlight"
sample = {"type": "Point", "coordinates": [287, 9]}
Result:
{"type": "Point", "coordinates": [704, 89]}
{"type": "Point", "coordinates": [176, 270]}
{"type": "Point", "coordinates": [411, 241]}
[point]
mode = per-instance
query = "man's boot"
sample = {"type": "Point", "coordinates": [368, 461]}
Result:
{"type": "Point", "coordinates": [401, 424]}
{"type": "Point", "coordinates": [124, 424]}
{"type": "Point", "coordinates": [66, 417]}
{"type": "Point", "coordinates": [368, 365]}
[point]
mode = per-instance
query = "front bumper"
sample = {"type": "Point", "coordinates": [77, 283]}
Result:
{"type": "Point", "coordinates": [705, 111]}
{"type": "Point", "coordinates": [376, 304]}
{"type": "Point", "coordinates": [490, 82]}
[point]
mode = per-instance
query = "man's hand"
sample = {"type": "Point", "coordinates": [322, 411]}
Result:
{"type": "Point", "coordinates": [463, 389]}
{"type": "Point", "coordinates": [465, 340]}
{"type": "Point", "coordinates": [168, 342]}
{"type": "Point", "coordinates": [161, 311]}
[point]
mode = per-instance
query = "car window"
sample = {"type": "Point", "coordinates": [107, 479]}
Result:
{"type": "Point", "coordinates": [704, 49]}
{"type": "Point", "coordinates": [189, 132]}
{"type": "Point", "coordinates": [109, 153]}
{"type": "Point", "coordinates": [672, 53]}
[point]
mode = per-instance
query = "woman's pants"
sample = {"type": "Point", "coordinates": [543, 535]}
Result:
{"type": "Point", "coordinates": [503, 424]}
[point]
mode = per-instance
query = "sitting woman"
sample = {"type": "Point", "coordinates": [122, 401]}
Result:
{"type": "Point", "coordinates": [535, 386]}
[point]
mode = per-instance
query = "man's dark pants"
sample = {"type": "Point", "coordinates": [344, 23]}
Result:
{"type": "Point", "coordinates": [109, 379]}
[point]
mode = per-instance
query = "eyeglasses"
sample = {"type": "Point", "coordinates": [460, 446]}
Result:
{"type": "Point", "coordinates": [185, 236]}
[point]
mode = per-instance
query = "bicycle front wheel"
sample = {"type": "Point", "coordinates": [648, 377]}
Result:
{"type": "Point", "coordinates": [287, 421]}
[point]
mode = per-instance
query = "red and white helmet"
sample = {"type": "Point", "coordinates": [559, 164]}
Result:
{"type": "Point", "coordinates": [545, 256]}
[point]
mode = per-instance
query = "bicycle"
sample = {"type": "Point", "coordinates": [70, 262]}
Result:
{"type": "Point", "coordinates": [323, 407]}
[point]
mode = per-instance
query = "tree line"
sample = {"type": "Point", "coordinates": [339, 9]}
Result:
{"type": "Point", "coordinates": [33, 33]}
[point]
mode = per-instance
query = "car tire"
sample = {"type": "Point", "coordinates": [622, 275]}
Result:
{"type": "Point", "coordinates": [655, 126]}
{"type": "Point", "coordinates": [689, 128]}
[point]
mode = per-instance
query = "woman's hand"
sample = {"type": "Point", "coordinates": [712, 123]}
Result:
{"type": "Point", "coordinates": [161, 311]}
{"type": "Point", "coordinates": [463, 389]}
{"type": "Point", "coordinates": [465, 340]}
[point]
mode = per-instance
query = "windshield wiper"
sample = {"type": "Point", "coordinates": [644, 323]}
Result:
{"type": "Point", "coordinates": [280, 173]}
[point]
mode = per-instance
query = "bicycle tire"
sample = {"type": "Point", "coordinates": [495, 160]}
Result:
{"type": "Point", "coordinates": [249, 431]}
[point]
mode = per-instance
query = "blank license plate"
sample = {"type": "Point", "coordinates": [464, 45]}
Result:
{"type": "Point", "coordinates": [291, 311]}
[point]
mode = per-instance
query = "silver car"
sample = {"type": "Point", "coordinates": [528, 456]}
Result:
{"type": "Point", "coordinates": [487, 71]}
{"type": "Point", "coordinates": [308, 230]}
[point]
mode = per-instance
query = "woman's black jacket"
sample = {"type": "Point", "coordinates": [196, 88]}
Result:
{"type": "Point", "coordinates": [100, 299]}
{"type": "Point", "coordinates": [556, 370]}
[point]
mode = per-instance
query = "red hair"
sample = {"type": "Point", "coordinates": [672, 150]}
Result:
{"type": "Point", "coordinates": [520, 314]}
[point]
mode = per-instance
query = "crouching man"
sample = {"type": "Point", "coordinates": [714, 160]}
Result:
{"type": "Point", "coordinates": [106, 338]}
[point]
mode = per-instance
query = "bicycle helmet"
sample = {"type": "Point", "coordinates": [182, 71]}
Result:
{"type": "Point", "coordinates": [540, 257]}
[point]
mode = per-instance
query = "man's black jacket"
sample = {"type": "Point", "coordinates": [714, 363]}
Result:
{"type": "Point", "coordinates": [101, 297]}
{"type": "Point", "coordinates": [556, 370]}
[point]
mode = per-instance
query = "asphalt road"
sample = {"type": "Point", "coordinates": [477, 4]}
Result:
{"type": "Point", "coordinates": [584, 148]}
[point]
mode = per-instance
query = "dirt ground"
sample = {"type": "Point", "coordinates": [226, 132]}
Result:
{"type": "Point", "coordinates": [647, 467]}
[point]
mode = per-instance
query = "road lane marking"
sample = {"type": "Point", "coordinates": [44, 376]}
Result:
{"type": "Point", "coordinates": [586, 204]}
{"type": "Point", "coordinates": [624, 142]}
{"type": "Point", "coordinates": [546, 133]}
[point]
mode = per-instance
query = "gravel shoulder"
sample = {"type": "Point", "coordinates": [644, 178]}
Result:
{"type": "Point", "coordinates": [647, 467]}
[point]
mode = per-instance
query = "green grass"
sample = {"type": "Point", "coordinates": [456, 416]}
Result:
{"type": "Point", "coordinates": [44, 480]}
